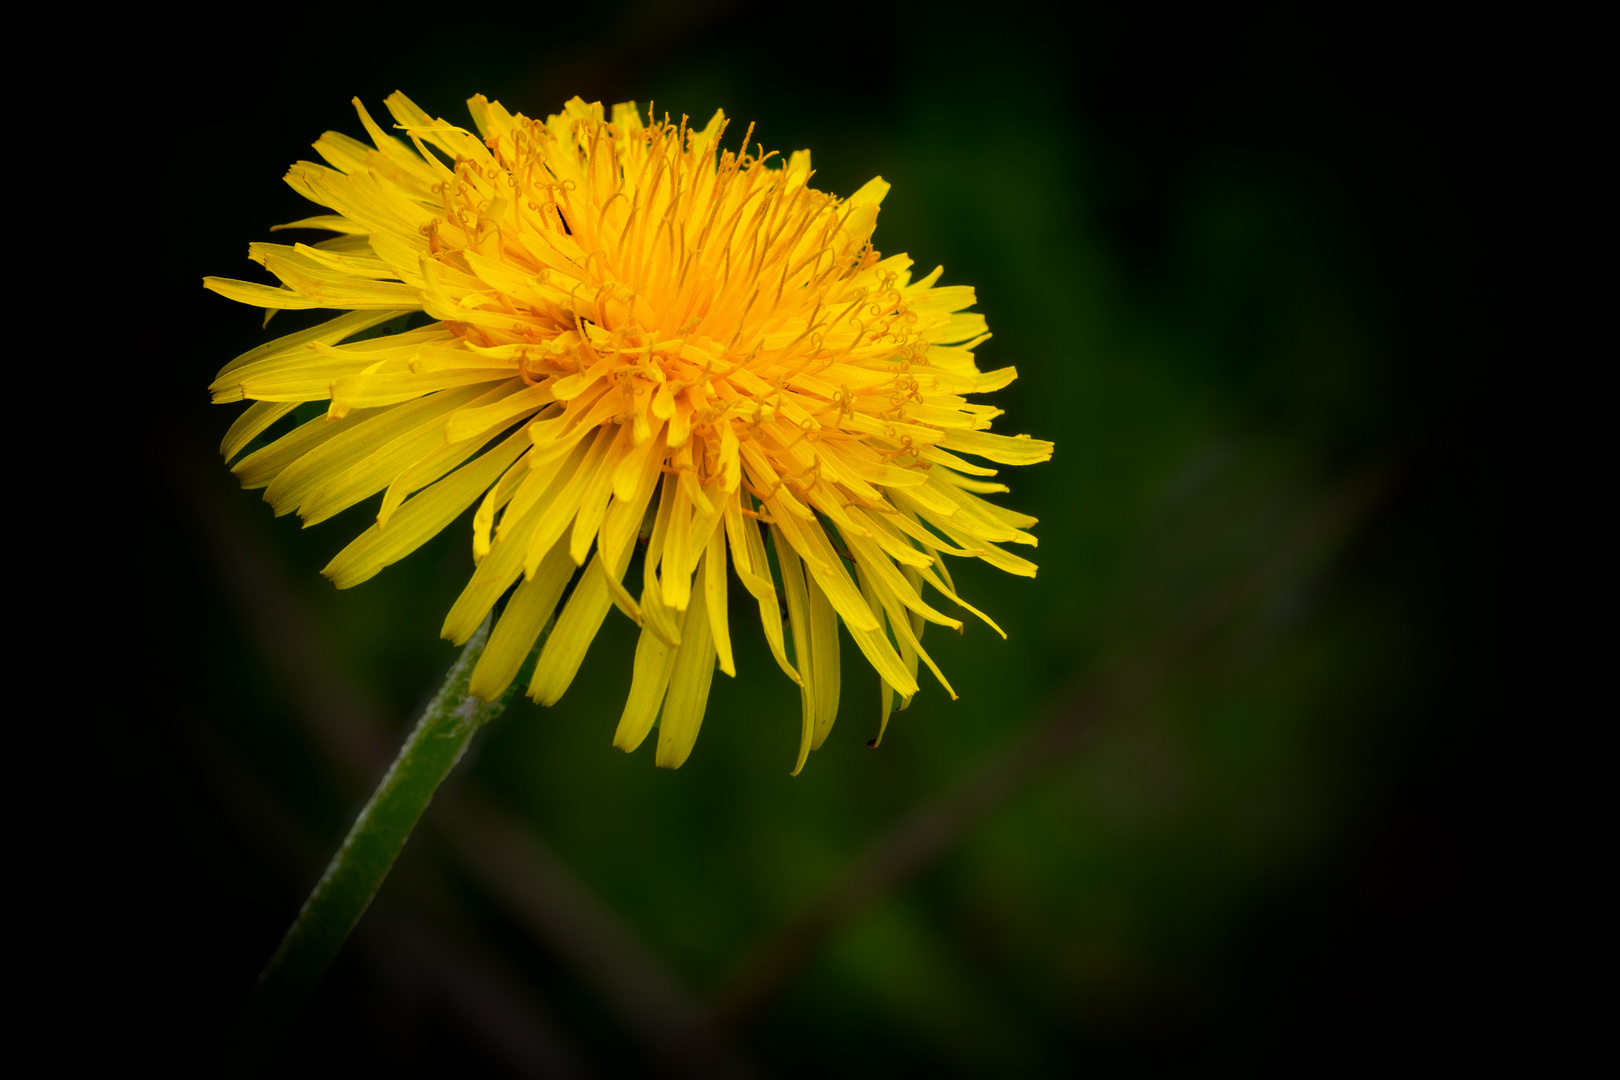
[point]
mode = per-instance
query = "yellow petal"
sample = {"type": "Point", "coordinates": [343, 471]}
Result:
{"type": "Point", "coordinates": [524, 616]}
{"type": "Point", "coordinates": [714, 587]}
{"type": "Point", "coordinates": [689, 683]}
{"type": "Point", "coordinates": [423, 516]}
{"type": "Point", "coordinates": [648, 681]}
{"type": "Point", "coordinates": [824, 643]}
{"type": "Point", "coordinates": [798, 605]}
{"type": "Point", "coordinates": [575, 630]}
{"type": "Point", "coordinates": [754, 571]}
{"type": "Point", "coordinates": [255, 419]}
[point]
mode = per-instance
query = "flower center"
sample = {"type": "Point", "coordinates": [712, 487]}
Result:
{"type": "Point", "coordinates": [656, 280]}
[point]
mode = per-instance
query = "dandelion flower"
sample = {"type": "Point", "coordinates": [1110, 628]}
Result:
{"type": "Point", "coordinates": [636, 340]}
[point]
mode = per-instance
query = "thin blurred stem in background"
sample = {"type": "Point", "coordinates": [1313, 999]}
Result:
{"type": "Point", "coordinates": [542, 896]}
{"type": "Point", "coordinates": [926, 834]}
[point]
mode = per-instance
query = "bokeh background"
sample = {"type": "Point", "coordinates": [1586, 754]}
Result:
{"type": "Point", "coordinates": [1247, 785]}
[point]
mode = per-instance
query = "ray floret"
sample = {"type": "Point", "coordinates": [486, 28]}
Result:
{"type": "Point", "coordinates": [636, 341]}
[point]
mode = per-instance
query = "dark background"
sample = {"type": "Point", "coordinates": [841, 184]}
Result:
{"type": "Point", "coordinates": [1299, 296]}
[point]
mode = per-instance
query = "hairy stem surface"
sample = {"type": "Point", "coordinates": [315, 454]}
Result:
{"type": "Point", "coordinates": [375, 840]}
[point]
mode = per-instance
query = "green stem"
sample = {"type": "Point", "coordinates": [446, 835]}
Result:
{"type": "Point", "coordinates": [361, 864]}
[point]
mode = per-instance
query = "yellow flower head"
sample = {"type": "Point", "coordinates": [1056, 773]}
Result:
{"type": "Point", "coordinates": [634, 335]}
